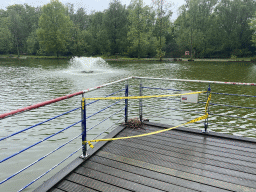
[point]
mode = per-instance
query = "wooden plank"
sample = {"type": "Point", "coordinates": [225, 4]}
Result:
{"type": "Point", "coordinates": [137, 179]}
{"type": "Point", "coordinates": [177, 173]}
{"type": "Point", "coordinates": [177, 160]}
{"type": "Point", "coordinates": [198, 151]}
{"type": "Point", "coordinates": [93, 184]}
{"type": "Point", "coordinates": [223, 150]}
{"type": "Point", "coordinates": [185, 154]}
{"type": "Point", "coordinates": [56, 190]}
{"type": "Point", "coordinates": [74, 164]}
{"type": "Point", "coordinates": [66, 185]}
{"type": "Point", "coordinates": [227, 139]}
{"type": "Point", "coordinates": [113, 181]}
{"type": "Point", "coordinates": [201, 139]}
{"type": "Point", "coordinates": [184, 157]}
{"type": "Point", "coordinates": [190, 185]}
{"type": "Point", "coordinates": [167, 161]}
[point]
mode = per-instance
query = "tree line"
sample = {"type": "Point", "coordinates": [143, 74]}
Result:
{"type": "Point", "coordinates": [206, 28]}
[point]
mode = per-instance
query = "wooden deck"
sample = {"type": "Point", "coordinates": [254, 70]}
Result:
{"type": "Point", "coordinates": [178, 160]}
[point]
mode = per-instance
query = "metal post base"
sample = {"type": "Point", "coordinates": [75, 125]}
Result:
{"type": "Point", "coordinates": [84, 157]}
{"type": "Point", "coordinates": [205, 129]}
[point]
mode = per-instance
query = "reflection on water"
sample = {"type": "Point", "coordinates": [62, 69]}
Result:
{"type": "Point", "coordinates": [26, 82]}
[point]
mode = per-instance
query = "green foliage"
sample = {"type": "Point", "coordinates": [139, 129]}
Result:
{"type": "Point", "coordinates": [79, 18]}
{"type": "Point", "coordinates": [140, 34]}
{"type": "Point", "coordinates": [32, 43]}
{"type": "Point", "coordinates": [162, 22]}
{"type": "Point", "coordinates": [215, 28]}
{"type": "Point", "coordinates": [160, 54]}
{"type": "Point", "coordinates": [16, 28]}
{"type": "Point", "coordinates": [115, 24]}
{"type": "Point", "coordinates": [208, 28]}
{"type": "Point", "coordinates": [23, 19]}
{"type": "Point", "coordinates": [253, 27]}
{"type": "Point", "coordinates": [5, 36]}
{"type": "Point", "coordinates": [77, 44]}
{"type": "Point", "coordinates": [96, 36]}
{"type": "Point", "coordinates": [233, 57]}
{"type": "Point", "coordinates": [55, 26]}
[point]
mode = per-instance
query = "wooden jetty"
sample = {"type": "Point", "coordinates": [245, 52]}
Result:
{"type": "Point", "coordinates": [182, 159]}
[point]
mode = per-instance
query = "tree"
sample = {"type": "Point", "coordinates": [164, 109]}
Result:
{"type": "Point", "coordinates": [162, 23]}
{"type": "Point", "coordinates": [77, 44]}
{"type": "Point", "coordinates": [96, 36]}
{"type": "Point", "coordinates": [233, 17]}
{"type": "Point", "coordinates": [116, 26]}
{"type": "Point", "coordinates": [79, 18]}
{"type": "Point", "coordinates": [253, 27]}
{"type": "Point", "coordinates": [198, 28]}
{"type": "Point", "coordinates": [5, 36]}
{"type": "Point", "coordinates": [55, 26]}
{"type": "Point", "coordinates": [16, 28]}
{"type": "Point", "coordinates": [32, 43]}
{"type": "Point", "coordinates": [140, 33]}
{"type": "Point", "coordinates": [32, 17]}
{"type": "Point", "coordinates": [183, 29]}
{"type": "Point", "coordinates": [23, 19]}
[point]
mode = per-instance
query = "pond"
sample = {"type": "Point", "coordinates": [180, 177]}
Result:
{"type": "Point", "coordinates": [30, 81]}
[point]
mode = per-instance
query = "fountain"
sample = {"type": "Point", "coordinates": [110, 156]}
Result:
{"type": "Point", "coordinates": [88, 65]}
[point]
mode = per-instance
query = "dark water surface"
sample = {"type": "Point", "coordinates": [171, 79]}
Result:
{"type": "Point", "coordinates": [27, 82]}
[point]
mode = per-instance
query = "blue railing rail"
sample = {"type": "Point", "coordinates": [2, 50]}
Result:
{"type": "Point", "coordinates": [139, 109]}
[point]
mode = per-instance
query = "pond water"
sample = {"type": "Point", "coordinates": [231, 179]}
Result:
{"type": "Point", "coordinates": [27, 82]}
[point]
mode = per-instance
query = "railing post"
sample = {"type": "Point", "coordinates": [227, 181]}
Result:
{"type": "Point", "coordinates": [126, 103]}
{"type": "Point", "coordinates": [208, 109]}
{"type": "Point", "coordinates": [83, 115]}
{"type": "Point", "coordinates": [140, 107]}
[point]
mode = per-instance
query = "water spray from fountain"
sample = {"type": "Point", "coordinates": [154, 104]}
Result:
{"type": "Point", "coordinates": [88, 65]}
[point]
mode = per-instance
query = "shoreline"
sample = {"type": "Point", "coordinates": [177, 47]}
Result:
{"type": "Point", "coordinates": [133, 59]}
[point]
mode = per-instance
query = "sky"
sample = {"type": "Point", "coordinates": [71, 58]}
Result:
{"type": "Point", "coordinates": [90, 5]}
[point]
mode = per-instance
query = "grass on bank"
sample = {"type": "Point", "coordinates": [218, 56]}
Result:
{"type": "Point", "coordinates": [126, 58]}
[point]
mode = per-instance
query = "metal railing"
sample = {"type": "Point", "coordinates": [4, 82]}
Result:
{"type": "Point", "coordinates": [11, 158]}
{"type": "Point", "coordinates": [168, 110]}
{"type": "Point", "coordinates": [219, 101]}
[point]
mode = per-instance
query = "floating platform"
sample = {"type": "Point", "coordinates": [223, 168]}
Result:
{"type": "Point", "coordinates": [182, 159]}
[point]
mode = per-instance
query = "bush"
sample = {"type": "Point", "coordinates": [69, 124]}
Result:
{"type": "Point", "coordinates": [233, 57]}
{"type": "Point", "coordinates": [253, 59]}
{"type": "Point", "coordinates": [241, 52]}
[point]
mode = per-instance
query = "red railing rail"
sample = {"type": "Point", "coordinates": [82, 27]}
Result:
{"type": "Point", "coordinates": [39, 105]}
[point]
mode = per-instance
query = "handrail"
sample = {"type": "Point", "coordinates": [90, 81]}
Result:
{"type": "Point", "coordinates": [198, 81]}
{"type": "Point", "coordinates": [2, 116]}
{"type": "Point", "coordinates": [114, 112]}
{"type": "Point", "coordinates": [98, 87]}
{"type": "Point", "coordinates": [38, 105]}
{"type": "Point", "coordinates": [53, 118]}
